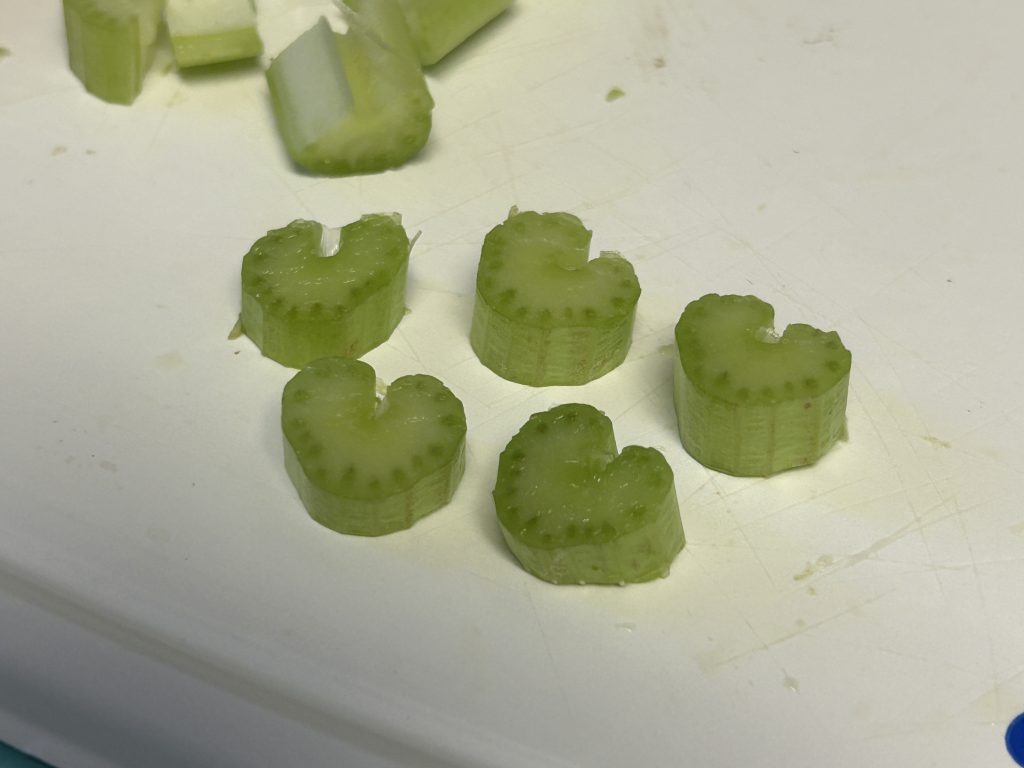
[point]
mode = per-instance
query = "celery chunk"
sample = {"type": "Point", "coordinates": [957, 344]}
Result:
{"type": "Point", "coordinates": [575, 511]}
{"type": "Point", "coordinates": [440, 26]}
{"type": "Point", "coordinates": [544, 315]}
{"type": "Point", "coordinates": [110, 44]}
{"type": "Point", "coordinates": [309, 291]}
{"type": "Point", "coordinates": [369, 466]}
{"type": "Point", "coordinates": [749, 402]}
{"type": "Point", "coordinates": [212, 31]}
{"type": "Point", "coordinates": [355, 102]}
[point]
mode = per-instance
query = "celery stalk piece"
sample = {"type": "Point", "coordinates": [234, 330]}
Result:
{"type": "Point", "coordinates": [306, 294]}
{"type": "Point", "coordinates": [544, 315]}
{"type": "Point", "coordinates": [369, 466]}
{"type": "Point", "coordinates": [440, 26]}
{"type": "Point", "coordinates": [111, 43]}
{"type": "Point", "coordinates": [355, 102]}
{"type": "Point", "coordinates": [575, 511]}
{"type": "Point", "coordinates": [212, 31]}
{"type": "Point", "coordinates": [752, 403]}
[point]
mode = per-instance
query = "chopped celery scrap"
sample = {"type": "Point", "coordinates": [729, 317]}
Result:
{"type": "Point", "coordinates": [365, 465]}
{"type": "Point", "coordinates": [212, 31]}
{"type": "Point", "coordinates": [355, 102]}
{"type": "Point", "coordinates": [309, 291]}
{"type": "Point", "coordinates": [440, 26]}
{"type": "Point", "coordinates": [110, 44]}
{"type": "Point", "coordinates": [544, 314]}
{"type": "Point", "coordinates": [750, 402]}
{"type": "Point", "coordinates": [574, 510]}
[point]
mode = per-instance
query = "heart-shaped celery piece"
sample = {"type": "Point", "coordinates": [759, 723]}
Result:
{"type": "Point", "coordinates": [366, 465]}
{"type": "Point", "coordinates": [307, 295]}
{"type": "Point", "coordinates": [750, 402]}
{"type": "Point", "coordinates": [544, 314]}
{"type": "Point", "coordinates": [575, 511]}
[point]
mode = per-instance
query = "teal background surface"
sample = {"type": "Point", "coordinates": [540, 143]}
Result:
{"type": "Point", "coordinates": [12, 758]}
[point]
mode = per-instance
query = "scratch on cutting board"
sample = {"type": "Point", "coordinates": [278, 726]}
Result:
{"type": "Point", "coordinates": [914, 526]}
{"type": "Point", "coordinates": [646, 396]}
{"type": "Point", "coordinates": [709, 663]}
{"type": "Point", "coordinates": [930, 480]}
{"type": "Point", "coordinates": [982, 598]}
{"type": "Point", "coordinates": [743, 533]}
{"type": "Point", "coordinates": [550, 655]}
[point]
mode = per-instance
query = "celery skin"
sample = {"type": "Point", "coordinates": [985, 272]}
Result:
{"type": "Point", "coordinates": [111, 44]}
{"type": "Point", "coordinates": [440, 26]}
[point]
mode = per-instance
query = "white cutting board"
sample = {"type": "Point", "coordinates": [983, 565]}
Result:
{"type": "Point", "coordinates": [164, 594]}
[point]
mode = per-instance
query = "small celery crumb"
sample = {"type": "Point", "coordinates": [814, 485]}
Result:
{"type": "Point", "coordinates": [236, 331]}
{"type": "Point", "coordinates": [58, 150]}
{"type": "Point", "coordinates": [614, 94]}
{"type": "Point", "coordinates": [4, 52]}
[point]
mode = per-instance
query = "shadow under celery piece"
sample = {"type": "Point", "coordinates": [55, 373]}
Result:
{"type": "Point", "coordinates": [212, 31]}
{"type": "Point", "coordinates": [439, 26]}
{"type": "Point", "coordinates": [544, 314]}
{"type": "Point", "coordinates": [111, 44]}
{"type": "Point", "coordinates": [352, 102]}
{"type": "Point", "coordinates": [574, 510]}
{"type": "Point", "coordinates": [750, 402]}
{"type": "Point", "coordinates": [311, 291]}
{"type": "Point", "coordinates": [365, 465]}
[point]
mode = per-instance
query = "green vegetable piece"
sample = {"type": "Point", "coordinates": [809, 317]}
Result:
{"type": "Point", "coordinates": [752, 403]}
{"type": "Point", "coordinates": [309, 291]}
{"type": "Point", "coordinates": [575, 511]}
{"type": "Point", "coordinates": [369, 466]}
{"type": "Point", "coordinates": [212, 31]}
{"type": "Point", "coordinates": [545, 315]}
{"type": "Point", "coordinates": [111, 43]}
{"type": "Point", "coordinates": [440, 26]}
{"type": "Point", "coordinates": [355, 102]}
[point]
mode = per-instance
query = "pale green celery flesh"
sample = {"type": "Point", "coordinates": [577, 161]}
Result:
{"type": "Point", "coordinates": [212, 31]}
{"type": "Point", "coordinates": [573, 510]}
{"type": "Point", "coordinates": [355, 102]}
{"type": "Point", "coordinates": [544, 315]}
{"type": "Point", "coordinates": [748, 402]}
{"type": "Point", "coordinates": [299, 305]}
{"type": "Point", "coordinates": [367, 467]}
{"type": "Point", "coordinates": [111, 43]}
{"type": "Point", "coordinates": [216, 47]}
{"type": "Point", "coordinates": [440, 26]}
